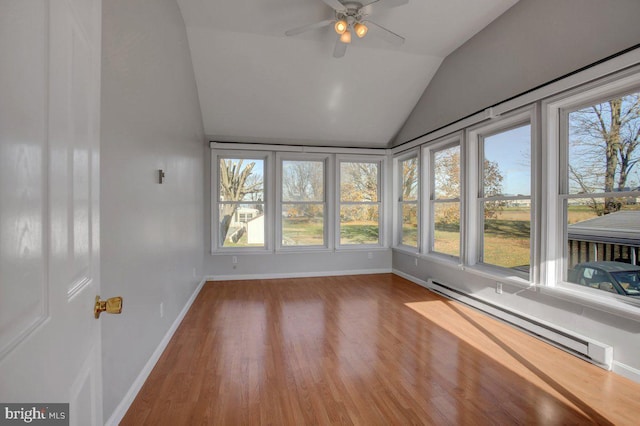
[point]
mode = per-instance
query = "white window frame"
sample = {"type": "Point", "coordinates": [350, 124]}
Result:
{"type": "Point", "coordinates": [381, 162]}
{"type": "Point", "coordinates": [398, 201]}
{"type": "Point", "coordinates": [267, 157]}
{"type": "Point", "coordinates": [474, 229]}
{"type": "Point", "coordinates": [328, 192]}
{"type": "Point", "coordinates": [555, 122]}
{"type": "Point", "coordinates": [428, 160]}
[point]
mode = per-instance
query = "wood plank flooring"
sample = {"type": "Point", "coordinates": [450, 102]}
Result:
{"type": "Point", "coordinates": [366, 350]}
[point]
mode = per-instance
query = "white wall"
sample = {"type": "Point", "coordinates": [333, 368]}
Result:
{"type": "Point", "coordinates": [152, 234]}
{"type": "Point", "coordinates": [531, 44]}
{"type": "Point", "coordinates": [258, 266]}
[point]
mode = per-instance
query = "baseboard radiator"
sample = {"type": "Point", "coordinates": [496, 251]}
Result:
{"type": "Point", "coordinates": [583, 347]}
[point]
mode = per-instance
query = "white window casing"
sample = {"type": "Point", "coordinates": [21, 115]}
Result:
{"type": "Point", "coordinates": [327, 201]}
{"type": "Point", "coordinates": [556, 194]}
{"type": "Point", "coordinates": [380, 161]}
{"type": "Point", "coordinates": [428, 194]}
{"type": "Point", "coordinates": [399, 202]}
{"type": "Point", "coordinates": [474, 215]}
{"type": "Point", "coordinates": [267, 202]}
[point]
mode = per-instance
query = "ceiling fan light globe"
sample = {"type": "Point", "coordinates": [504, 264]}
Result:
{"type": "Point", "coordinates": [341, 26]}
{"type": "Point", "coordinates": [361, 29]}
{"type": "Point", "coordinates": [346, 37]}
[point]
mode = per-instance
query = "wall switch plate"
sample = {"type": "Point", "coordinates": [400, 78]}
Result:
{"type": "Point", "coordinates": [234, 260]}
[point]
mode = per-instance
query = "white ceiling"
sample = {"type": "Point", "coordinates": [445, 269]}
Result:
{"type": "Point", "coordinates": [257, 85]}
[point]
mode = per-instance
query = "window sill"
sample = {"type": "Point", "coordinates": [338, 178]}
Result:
{"type": "Point", "coordinates": [239, 252]}
{"type": "Point", "coordinates": [362, 247]}
{"type": "Point", "coordinates": [605, 303]}
{"type": "Point", "coordinates": [498, 274]}
{"type": "Point", "coordinates": [611, 305]}
{"type": "Point", "coordinates": [303, 250]}
{"type": "Point", "coordinates": [491, 273]}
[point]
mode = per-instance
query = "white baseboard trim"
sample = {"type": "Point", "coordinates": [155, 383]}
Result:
{"type": "Point", "coordinates": [626, 371]}
{"type": "Point", "coordinates": [126, 402]}
{"type": "Point", "coordinates": [297, 275]}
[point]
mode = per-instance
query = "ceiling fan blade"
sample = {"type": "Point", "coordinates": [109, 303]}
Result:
{"type": "Point", "coordinates": [340, 49]}
{"type": "Point", "coordinates": [374, 6]}
{"type": "Point", "coordinates": [335, 4]}
{"type": "Point", "coordinates": [384, 33]}
{"type": "Point", "coordinates": [309, 27]}
{"type": "Point", "coordinates": [377, 5]}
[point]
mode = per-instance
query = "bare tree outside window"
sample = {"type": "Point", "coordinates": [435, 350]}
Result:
{"type": "Point", "coordinates": [303, 203]}
{"type": "Point", "coordinates": [446, 198]}
{"type": "Point", "coordinates": [602, 182]}
{"type": "Point", "coordinates": [410, 179]}
{"type": "Point", "coordinates": [446, 201]}
{"type": "Point", "coordinates": [603, 151]}
{"type": "Point", "coordinates": [241, 201]}
{"type": "Point", "coordinates": [359, 202]}
{"type": "Point", "coordinates": [303, 180]}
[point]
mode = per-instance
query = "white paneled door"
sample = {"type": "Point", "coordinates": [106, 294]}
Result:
{"type": "Point", "coordinates": [49, 205]}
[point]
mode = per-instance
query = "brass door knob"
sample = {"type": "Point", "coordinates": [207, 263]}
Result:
{"type": "Point", "coordinates": [113, 305]}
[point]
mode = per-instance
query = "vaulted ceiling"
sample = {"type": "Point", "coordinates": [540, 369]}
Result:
{"type": "Point", "coordinates": [257, 85]}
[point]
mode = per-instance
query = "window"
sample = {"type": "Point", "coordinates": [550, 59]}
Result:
{"type": "Point", "coordinates": [557, 209]}
{"type": "Point", "coordinates": [408, 200]}
{"type": "Point", "coordinates": [360, 202]}
{"type": "Point", "coordinates": [303, 206]}
{"type": "Point", "coordinates": [239, 207]}
{"type": "Point", "coordinates": [500, 218]}
{"type": "Point", "coordinates": [285, 200]}
{"type": "Point", "coordinates": [445, 200]}
{"type": "Point", "coordinates": [600, 192]}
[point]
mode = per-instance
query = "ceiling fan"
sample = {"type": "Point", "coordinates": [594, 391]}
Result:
{"type": "Point", "coordinates": [351, 17]}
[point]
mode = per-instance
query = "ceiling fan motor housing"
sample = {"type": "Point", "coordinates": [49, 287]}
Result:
{"type": "Point", "coordinates": [353, 12]}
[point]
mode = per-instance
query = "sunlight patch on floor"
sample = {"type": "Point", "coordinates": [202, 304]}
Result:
{"type": "Point", "coordinates": [533, 360]}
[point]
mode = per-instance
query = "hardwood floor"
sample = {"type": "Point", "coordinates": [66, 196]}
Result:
{"type": "Point", "coordinates": [368, 350]}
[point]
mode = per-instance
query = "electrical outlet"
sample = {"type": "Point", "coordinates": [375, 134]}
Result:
{"type": "Point", "coordinates": [234, 260]}
{"type": "Point", "coordinates": [161, 309]}
{"type": "Point", "coordinates": [499, 288]}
